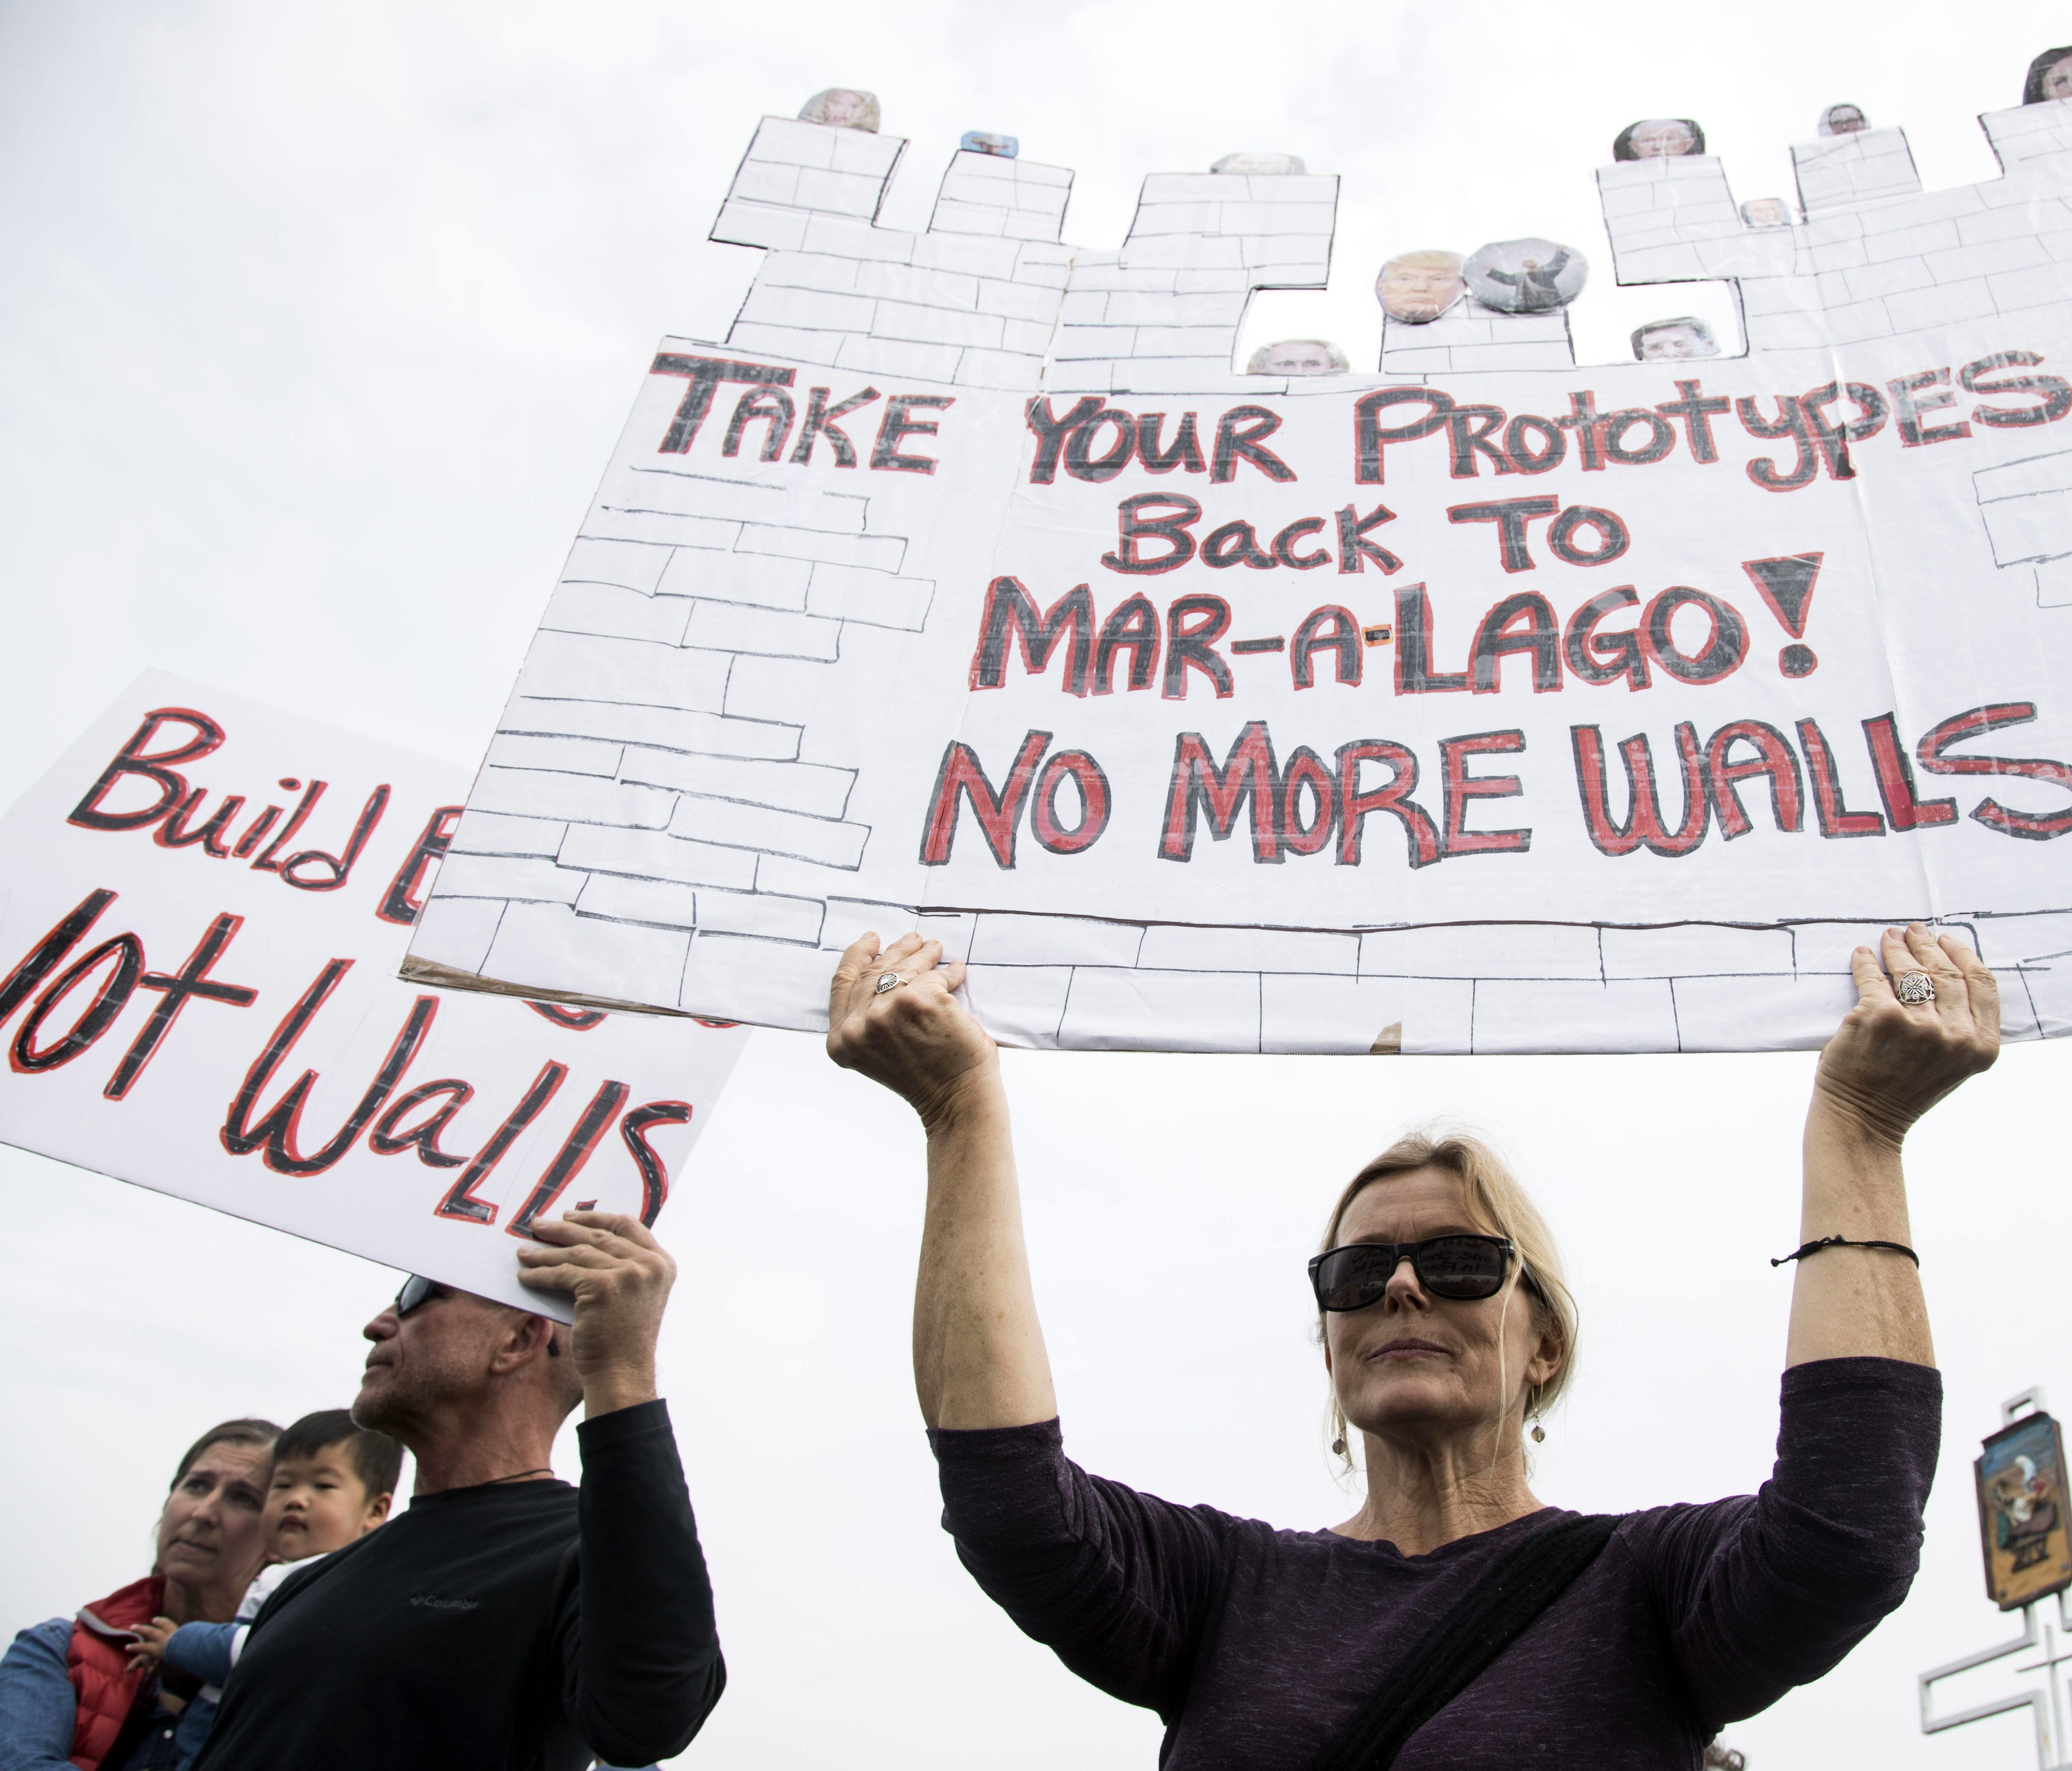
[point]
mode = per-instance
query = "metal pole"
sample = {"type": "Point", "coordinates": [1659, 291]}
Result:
{"type": "Point", "coordinates": [2035, 1701]}
{"type": "Point", "coordinates": [2043, 1705]}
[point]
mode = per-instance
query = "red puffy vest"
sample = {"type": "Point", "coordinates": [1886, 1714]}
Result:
{"type": "Point", "coordinates": [97, 1663]}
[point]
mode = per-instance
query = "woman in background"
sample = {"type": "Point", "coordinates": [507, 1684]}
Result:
{"type": "Point", "coordinates": [69, 1693]}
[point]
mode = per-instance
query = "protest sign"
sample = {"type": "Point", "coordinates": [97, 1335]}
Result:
{"type": "Point", "coordinates": [1487, 703]}
{"type": "Point", "coordinates": [202, 907]}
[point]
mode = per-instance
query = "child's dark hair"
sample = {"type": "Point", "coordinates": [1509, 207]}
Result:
{"type": "Point", "coordinates": [377, 1458]}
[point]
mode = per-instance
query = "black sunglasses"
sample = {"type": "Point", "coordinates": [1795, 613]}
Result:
{"type": "Point", "coordinates": [417, 1291]}
{"type": "Point", "coordinates": [1463, 1267]}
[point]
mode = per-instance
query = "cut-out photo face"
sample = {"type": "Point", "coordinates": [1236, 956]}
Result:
{"type": "Point", "coordinates": [1267, 165]}
{"type": "Point", "coordinates": [2050, 77]}
{"type": "Point", "coordinates": [844, 107]}
{"type": "Point", "coordinates": [1525, 276]}
{"type": "Point", "coordinates": [1659, 138]}
{"type": "Point", "coordinates": [1766, 212]}
{"type": "Point", "coordinates": [1298, 356]}
{"type": "Point", "coordinates": [985, 141]}
{"type": "Point", "coordinates": [1415, 287]}
{"type": "Point", "coordinates": [1673, 341]}
{"type": "Point", "coordinates": [1843, 120]}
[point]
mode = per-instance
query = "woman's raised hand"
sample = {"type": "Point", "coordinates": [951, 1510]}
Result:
{"type": "Point", "coordinates": [978, 1348]}
{"type": "Point", "coordinates": [914, 1037]}
{"type": "Point", "coordinates": [1891, 1060]}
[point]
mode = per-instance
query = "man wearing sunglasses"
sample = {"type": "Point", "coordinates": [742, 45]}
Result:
{"type": "Point", "coordinates": [506, 1618]}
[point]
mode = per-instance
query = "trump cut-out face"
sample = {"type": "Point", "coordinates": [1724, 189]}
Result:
{"type": "Point", "coordinates": [1766, 212]}
{"type": "Point", "coordinates": [1417, 287]}
{"type": "Point", "coordinates": [1844, 120]}
{"type": "Point", "coordinates": [1298, 356]}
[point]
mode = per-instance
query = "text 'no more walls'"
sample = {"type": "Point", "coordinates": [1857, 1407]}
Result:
{"type": "Point", "coordinates": [1449, 716]}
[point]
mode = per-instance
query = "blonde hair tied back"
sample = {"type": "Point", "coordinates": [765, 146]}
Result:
{"type": "Point", "coordinates": [1499, 1206]}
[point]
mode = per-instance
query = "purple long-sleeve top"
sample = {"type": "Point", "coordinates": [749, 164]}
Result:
{"type": "Point", "coordinates": [1256, 1645]}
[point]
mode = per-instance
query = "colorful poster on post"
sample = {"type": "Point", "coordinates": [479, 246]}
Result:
{"type": "Point", "coordinates": [2022, 1532]}
{"type": "Point", "coordinates": [1486, 702]}
{"type": "Point", "coordinates": [202, 909]}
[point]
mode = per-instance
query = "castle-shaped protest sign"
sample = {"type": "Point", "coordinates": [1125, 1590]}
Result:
{"type": "Point", "coordinates": [1479, 702]}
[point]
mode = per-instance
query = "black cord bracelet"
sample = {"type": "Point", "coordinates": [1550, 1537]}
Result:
{"type": "Point", "coordinates": [1846, 1242]}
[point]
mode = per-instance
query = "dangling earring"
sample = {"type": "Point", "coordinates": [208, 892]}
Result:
{"type": "Point", "coordinates": [1539, 1431]}
{"type": "Point", "coordinates": [1339, 1446]}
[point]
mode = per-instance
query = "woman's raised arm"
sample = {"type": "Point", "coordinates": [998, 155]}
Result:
{"type": "Point", "coordinates": [1889, 1062]}
{"type": "Point", "coordinates": [978, 1348]}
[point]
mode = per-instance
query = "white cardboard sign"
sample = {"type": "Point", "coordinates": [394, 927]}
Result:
{"type": "Point", "coordinates": [202, 908]}
{"type": "Point", "coordinates": [1488, 702]}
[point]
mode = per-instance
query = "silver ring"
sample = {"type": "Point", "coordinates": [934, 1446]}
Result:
{"type": "Point", "coordinates": [1914, 987]}
{"type": "Point", "coordinates": [887, 981]}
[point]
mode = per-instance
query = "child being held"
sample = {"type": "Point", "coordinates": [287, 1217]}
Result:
{"type": "Point", "coordinates": [332, 1483]}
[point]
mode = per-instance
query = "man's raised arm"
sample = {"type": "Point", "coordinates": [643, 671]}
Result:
{"type": "Point", "coordinates": [641, 1662]}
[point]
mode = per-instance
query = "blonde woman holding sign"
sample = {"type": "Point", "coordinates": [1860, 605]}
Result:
{"type": "Point", "coordinates": [1454, 1621]}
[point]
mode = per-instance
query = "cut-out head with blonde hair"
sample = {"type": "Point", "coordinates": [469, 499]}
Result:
{"type": "Point", "coordinates": [844, 107]}
{"type": "Point", "coordinates": [1417, 287]}
{"type": "Point", "coordinates": [1442, 1374]}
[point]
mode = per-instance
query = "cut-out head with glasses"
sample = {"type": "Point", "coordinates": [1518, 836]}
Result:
{"type": "Point", "coordinates": [441, 1355]}
{"type": "Point", "coordinates": [1447, 1328]}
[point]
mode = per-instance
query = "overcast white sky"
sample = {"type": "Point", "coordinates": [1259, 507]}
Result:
{"type": "Point", "coordinates": [317, 323]}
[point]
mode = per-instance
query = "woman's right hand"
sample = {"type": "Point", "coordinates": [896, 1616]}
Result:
{"type": "Point", "coordinates": [916, 1038]}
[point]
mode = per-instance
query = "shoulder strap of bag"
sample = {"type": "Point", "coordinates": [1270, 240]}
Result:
{"type": "Point", "coordinates": [1484, 1621]}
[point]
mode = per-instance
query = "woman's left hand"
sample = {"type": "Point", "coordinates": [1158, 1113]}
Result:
{"type": "Point", "coordinates": [1890, 1061]}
